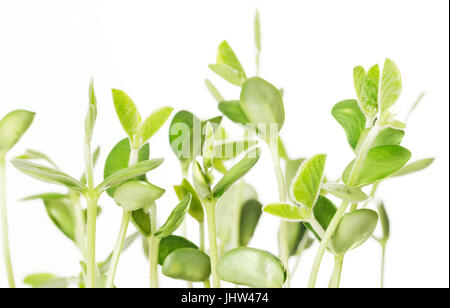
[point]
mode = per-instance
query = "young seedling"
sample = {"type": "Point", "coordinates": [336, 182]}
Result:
{"type": "Point", "coordinates": [12, 127]}
{"type": "Point", "coordinates": [90, 192]}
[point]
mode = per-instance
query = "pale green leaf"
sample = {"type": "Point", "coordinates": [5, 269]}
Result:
{"type": "Point", "coordinates": [188, 264]}
{"type": "Point", "coordinates": [213, 90]}
{"type": "Point", "coordinates": [135, 195]}
{"type": "Point", "coordinates": [153, 123]}
{"type": "Point", "coordinates": [350, 194]}
{"type": "Point", "coordinates": [415, 166]}
{"type": "Point", "coordinates": [175, 218]}
{"type": "Point", "coordinates": [46, 281]}
{"type": "Point", "coordinates": [228, 65]}
{"type": "Point", "coordinates": [12, 127]}
{"type": "Point", "coordinates": [391, 85]}
{"type": "Point", "coordinates": [287, 211]}
{"type": "Point", "coordinates": [127, 112]}
{"type": "Point", "coordinates": [233, 111]}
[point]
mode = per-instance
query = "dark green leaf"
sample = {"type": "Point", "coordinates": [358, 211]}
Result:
{"type": "Point", "coordinates": [187, 264]}
{"type": "Point", "coordinates": [250, 214]}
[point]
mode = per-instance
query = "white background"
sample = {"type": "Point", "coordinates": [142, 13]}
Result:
{"type": "Point", "coordinates": [158, 52]}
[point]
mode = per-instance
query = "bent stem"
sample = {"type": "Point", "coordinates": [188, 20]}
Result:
{"type": "Point", "coordinates": [210, 206]}
{"type": "Point", "coordinates": [353, 180]}
{"type": "Point", "coordinates": [336, 277]}
{"type": "Point", "coordinates": [4, 221]}
{"type": "Point", "coordinates": [283, 238]}
{"type": "Point", "coordinates": [118, 249]}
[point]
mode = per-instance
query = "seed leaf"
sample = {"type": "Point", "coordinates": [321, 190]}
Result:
{"type": "Point", "coordinates": [170, 244]}
{"type": "Point", "coordinates": [135, 195]}
{"type": "Point", "coordinates": [48, 175]}
{"type": "Point", "coordinates": [127, 112]}
{"type": "Point", "coordinates": [188, 264]}
{"type": "Point", "coordinates": [175, 218]}
{"type": "Point", "coordinates": [250, 214]}
{"type": "Point", "coordinates": [350, 194]}
{"type": "Point", "coordinates": [119, 158]}
{"type": "Point", "coordinates": [286, 211]}
{"type": "Point", "coordinates": [251, 267]}
{"type": "Point", "coordinates": [233, 111]}
{"type": "Point", "coordinates": [262, 102]}
{"type": "Point", "coordinates": [354, 229]}
{"type": "Point", "coordinates": [12, 127]}
{"type": "Point", "coordinates": [196, 208]}
{"type": "Point", "coordinates": [46, 281]}
{"type": "Point", "coordinates": [153, 123]}
{"type": "Point", "coordinates": [391, 85]}
{"type": "Point", "coordinates": [129, 173]}
{"type": "Point", "coordinates": [228, 66]}
{"type": "Point", "coordinates": [305, 187]}
{"type": "Point", "coordinates": [351, 118]}
{"type": "Point", "coordinates": [415, 166]}
{"type": "Point", "coordinates": [380, 162]}
{"type": "Point", "coordinates": [236, 172]}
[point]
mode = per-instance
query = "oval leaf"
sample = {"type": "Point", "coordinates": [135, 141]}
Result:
{"type": "Point", "coordinates": [12, 127]}
{"type": "Point", "coordinates": [262, 102]}
{"type": "Point", "coordinates": [48, 175]}
{"type": "Point", "coordinates": [380, 162]}
{"type": "Point", "coordinates": [251, 267]}
{"type": "Point", "coordinates": [175, 218]}
{"type": "Point", "coordinates": [236, 172]}
{"type": "Point", "coordinates": [46, 281]}
{"type": "Point", "coordinates": [135, 195]}
{"type": "Point", "coordinates": [188, 264]}
{"type": "Point", "coordinates": [129, 173]}
{"type": "Point", "coordinates": [170, 244]}
{"type": "Point", "coordinates": [305, 187]}
{"type": "Point", "coordinates": [250, 214]}
{"type": "Point", "coordinates": [141, 220]}
{"type": "Point", "coordinates": [153, 123]}
{"type": "Point", "coordinates": [233, 111]}
{"type": "Point", "coordinates": [389, 136]}
{"type": "Point", "coordinates": [354, 229]}
{"type": "Point", "coordinates": [351, 118]}
{"type": "Point", "coordinates": [391, 85]}
{"type": "Point", "coordinates": [350, 194]}
{"type": "Point", "coordinates": [127, 112]}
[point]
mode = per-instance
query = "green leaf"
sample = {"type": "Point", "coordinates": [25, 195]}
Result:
{"type": "Point", "coordinates": [135, 195]}
{"type": "Point", "coordinates": [350, 194]}
{"type": "Point", "coordinates": [119, 158]}
{"type": "Point", "coordinates": [170, 244]}
{"type": "Point", "coordinates": [196, 207]}
{"type": "Point", "coordinates": [351, 118]}
{"type": "Point", "coordinates": [32, 154]}
{"type": "Point", "coordinates": [287, 211]}
{"type": "Point", "coordinates": [262, 102]}
{"type": "Point", "coordinates": [296, 231]}
{"type": "Point", "coordinates": [141, 220]}
{"type": "Point", "coordinates": [188, 264]}
{"type": "Point", "coordinates": [380, 162]}
{"type": "Point", "coordinates": [185, 125]}
{"type": "Point", "coordinates": [324, 211]}
{"type": "Point", "coordinates": [153, 123]}
{"type": "Point", "coordinates": [46, 281]}
{"type": "Point", "coordinates": [228, 66]}
{"type": "Point", "coordinates": [391, 85]}
{"type": "Point", "coordinates": [305, 188]}
{"type": "Point", "coordinates": [385, 224]}
{"type": "Point", "coordinates": [359, 75]}
{"type": "Point", "coordinates": [48, 175]}
{"type": "Point", "coordinates": [127, 112]}
{"type": "Point", "coordinates": [236, 172]}
{"type": "Point", "coordinates": [129, 173]}
{"type": "Point", "coordinates": [233, 111]}
{"type": "Point", "coordinates": [230, 149]}
{"type": "Point", "coordinates": [257, 26]}
{"type": "Point", "coordinates": [354, 229]}
{"type": "Point", "coordinates": [60, 213]}
{"type": "Point", "coordinates": [213, 90]}
{"type": "Point", "coordinates": [175, 218]}
{"type": "Point", "coordinates": [91, 116]}
{"type": "Point", "coordinates": [415, 166]}
{"type": "Point", "coordinates": [369, 101]}
{"type": "Point", "coordinates": [251, 267]}
{"type": "Point", "coordinates": [12, 127]}
{"type": "Point", "coordinates": [201, 182]}
{"type": "Point", "coordinates": [389, 136]}
{"type": "Point", "coordinates": [46, 196]}
{"type": "Point", "coordinates": [250, 214]}
{"type": "Point", "coordinates": [291, 170]}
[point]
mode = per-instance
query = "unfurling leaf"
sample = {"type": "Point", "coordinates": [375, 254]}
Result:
{"type": "Point", "coordinates": [228, 66]}
{"type": "Point", "coordinates": [201, 182]}
{"type": "Point", "coordinates": [175, 218]}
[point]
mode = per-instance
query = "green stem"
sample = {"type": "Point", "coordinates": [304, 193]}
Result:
{"type": "Point", "coordinates": [4, 219]}
{"type": "Point", "coordinates": [337, 272]}
{"type": "Point", "coordinates": [353, 179]}
{"type": "Point", "coordinates": [80, 223]}
{"type": "Point", "coordinates": [153, 248]}
{"type": "Point", "coordinates": [118, 249]}
{"type": "Point", "coordinates": [383, 262]}
{"type": "Point", "coordinates": [283, 238]}
{"type": "Point", "coordinates": [92, 199]}
{"type": "Point", "coordinates": [210, 206]}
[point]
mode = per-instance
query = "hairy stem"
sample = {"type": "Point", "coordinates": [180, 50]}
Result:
{"type": "Point", "coordinates": [283, 238]}
{"type": "Point", "coordinates": [4, 221]}
{"type": "Point", "coordinates": [210, 206]}
{"type": "Point", "coordinates": [353, 180]}
{"type": "Point", "coordinates": [118, 249]}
